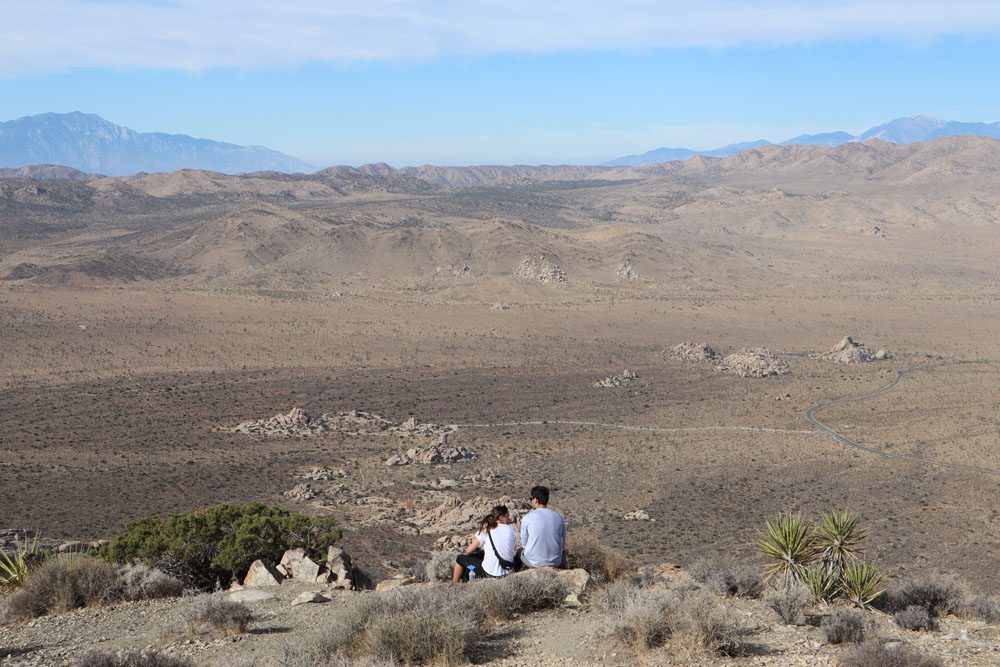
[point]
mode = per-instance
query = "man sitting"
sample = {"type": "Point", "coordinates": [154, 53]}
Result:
{"type": "Point", "coordinates": [543, 534]}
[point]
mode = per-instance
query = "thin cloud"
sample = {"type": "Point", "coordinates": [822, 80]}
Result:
{"type": "Point", "coordinates": [47, 36]}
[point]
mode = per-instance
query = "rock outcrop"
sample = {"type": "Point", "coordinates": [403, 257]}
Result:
{"type": "Point", "coordinates": [756, 362]}
{"type": "Point", "coordinates": [623, 378]}
{"type": "Point", "coordinates": [626, 271]}
{"type": "Point", "coordinates": [542, 270]}
{"type": "Point", "coordinates": [692, 351]}
{"type": "Point", "coordinates": [455, 515]}
{"type": "Point", "coordinates": [356, 422]}
{"type": "Point", "coordinates": [849, 351]}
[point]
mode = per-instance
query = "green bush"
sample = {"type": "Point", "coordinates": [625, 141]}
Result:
{"type": "Point", "coordinates": [219, 543]}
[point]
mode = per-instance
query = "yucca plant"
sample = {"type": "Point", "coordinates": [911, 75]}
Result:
{"type": "Point", "coordinates": [820, 582]}
{"type": "Point", "coordinates": [788, 542]}
{"type": "Point", "coordinates": [14, 566]}
{"type": "Point", "coordinates": [838, 539]}
{"type": "Point", "coordinates": [861, 583]}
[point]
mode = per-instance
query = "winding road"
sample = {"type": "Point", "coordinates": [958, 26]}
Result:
{"type": "Point", "coordinates": [810, 415]}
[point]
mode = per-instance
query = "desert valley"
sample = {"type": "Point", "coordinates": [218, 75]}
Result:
{"type": "Point", "coordinates": [663, 346]}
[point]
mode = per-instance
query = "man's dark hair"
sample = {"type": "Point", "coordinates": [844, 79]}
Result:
{"type": "Point", "coordinates": [541, 494]}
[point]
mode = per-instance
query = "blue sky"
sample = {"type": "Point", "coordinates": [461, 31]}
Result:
{"type": "Point", "coordinates": [409, 82]}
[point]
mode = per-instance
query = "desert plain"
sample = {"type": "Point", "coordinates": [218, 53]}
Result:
{"type": "Point", "coordinates": [143, 317]}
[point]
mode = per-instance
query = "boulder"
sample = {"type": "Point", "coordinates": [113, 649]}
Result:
{"type": "Point", "coordinates": [310, 597]}
{"type": "Point", "coordinates": [395, 582]}
{"type": "Point", "coordinates": [73, 547]}
{"type": "Point", "coordinates": [340, 568]}
{"type": "Point", "coordinates": [261, 574]}
{"type": "Point", "coordinates": [249, 595]}
{"type": "Point", "coordinates": [305, 569]}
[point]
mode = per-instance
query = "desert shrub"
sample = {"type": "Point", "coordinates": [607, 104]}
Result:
{"type": "Point", "coordinates": [410, 625]}
{"type": "Point", "coordinates": [938, 593]}
{"type": "Point", "coordinates": [789, 602]}
{"type": "Point", "coordinates": [980, 608]}
{"type": "Point", "coordinates": [439, 567]}
{"type": "Point", "coordinates": [637, 617]}
{"type": "Point", "coordinates": [213, 614]}
{"type": "Point", "coordinates": [62, 584]}
{"type": "Point", "coordinates": [915, 618]}
{"type": "Point", "coordinates": [727, 577]}
{"type": "Point", "coordinates": [503, 598]}
{"type": "Point", "coordinates": [603, 564]}
{"type": "Point", "coordinates": [845, 626]}
{"type": "Point", "coordinates": [220, 542]}
{"type": "Point", "coordinates": [738, 581]}
{"type": "Point", "coordinates": [313, 657]}
{"type": "Point", "coordinates": [131, 659]}
{"type": "Point", "coordinates": [880, 654]}
{"type": "Point", "coordinates": [138, 581]}
{"type": "Point", "coordinates": [699, 624]}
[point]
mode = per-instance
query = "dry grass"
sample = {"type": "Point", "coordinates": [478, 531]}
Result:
{"type": "Point", "coordinates": [211, 614]}
{"type": "Point", "coordinates": [138, 581]}
{"type": "Point", "coordinates": [62, 584]}
{"type": "Point", "coordinates": [131, 659]}
{"type": "Point", "coordinates": [915, 618]}
{"type": "Point", "coordinates": [876, 653]}
{"type": "Point", "coordinates": [425, 625]}
{"type": "Point", "coordinates": [439, 567]}
{"type": "Point", "coordinates": [938, 593]}
{"type": "Point", "coordinates": [789, 602]}
{"type": "Point", "coordinates": [693, 621]}
{"type": "Point", "coordinates": [702, 625]}
{"type": "Point", "coordinates": [728, 577]}
{"type": "Point", "coordinates": [602, 563]}
{"type": "Point", "coordinates": [499, 599]}
{"type": "Point", "coordinates": [846, 626]}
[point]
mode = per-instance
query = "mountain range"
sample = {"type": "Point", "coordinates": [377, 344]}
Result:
{"type": "Point", "coordinates": [92, 144]}
{"type": "Point", "coordinates": [898, 131]}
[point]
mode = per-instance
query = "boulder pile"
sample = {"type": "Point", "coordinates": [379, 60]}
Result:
{"type": "Point", "coordinates": [692, 351]}
{"type": "Point", "coordinates": [626, 271]}
{"type": "Point", "coordinates": [356, 422]}
{"type": "Point", "coordinates": [849, 351]}
{"type": "Point", "coordinates": [623, 378]}
{"type": "Point", "coordinates": [757, 362]}
{"type": "Point", "coordinates": [338, 571]}
{"type": "Point", "coordinates": [440, 454]}
{"type": "Point", "coordinates": [542, 270]}
{"type": "Point", "coordinates": [455, 515]}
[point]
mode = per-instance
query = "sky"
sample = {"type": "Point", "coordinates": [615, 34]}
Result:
{"type": "Point", "coordinates": [413, 82]}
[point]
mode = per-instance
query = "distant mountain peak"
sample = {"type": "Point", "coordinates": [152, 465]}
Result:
{"type": "Point", "coordinates": [93, 144]}
{"type": "Point", "coordinates": [905, 130]}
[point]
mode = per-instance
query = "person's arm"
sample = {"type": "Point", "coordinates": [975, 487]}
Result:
{"type": "Point", "coordinates": [524, 531]}
{"type": "Point", "coordinates": [472, 546]}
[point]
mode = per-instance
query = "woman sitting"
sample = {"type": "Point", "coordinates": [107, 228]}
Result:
{"type": "Point", "coordinates": [491, 552]}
